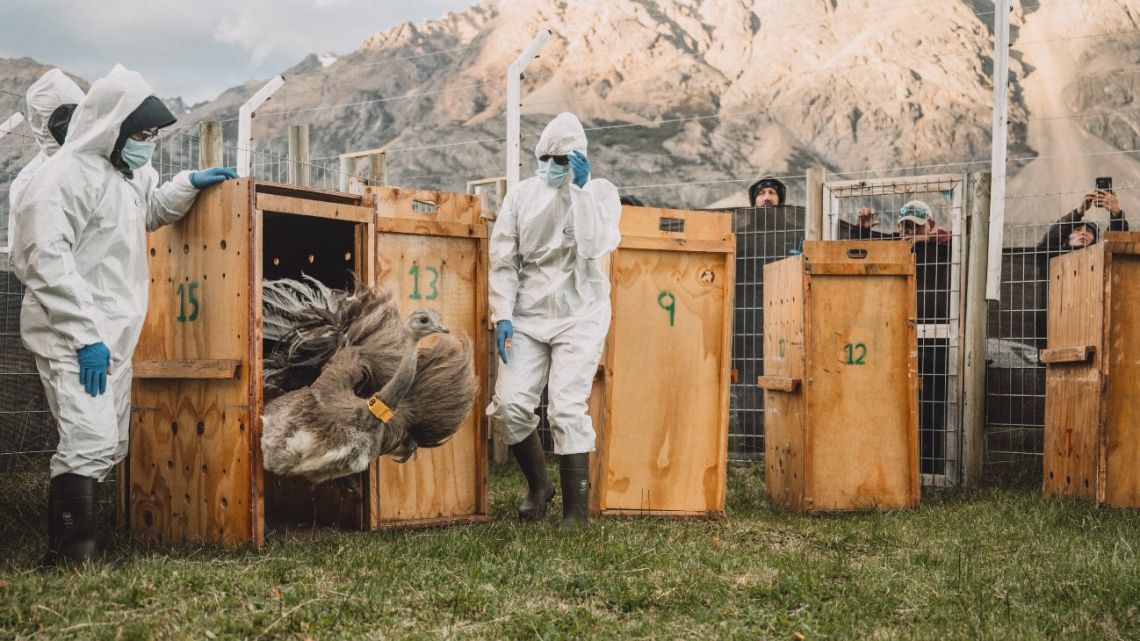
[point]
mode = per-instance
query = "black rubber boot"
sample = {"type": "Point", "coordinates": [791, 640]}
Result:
{"type": "Point", "coordinates": [540, 490]}
{"type": "Point", "coordinates": [71, 520]}
{"type": "Point", "coordinates": [575, 472]}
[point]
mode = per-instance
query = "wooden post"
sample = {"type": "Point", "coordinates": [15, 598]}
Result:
{"type": "Point", "coordinates": [210, 151]}
{"type": "Point", "coordinates": [974, 377]}
{"type": "Point", "coordinates": [299, 168]}
{"type": "Point", "coordinates": [377, 169]}
{"type": "Point", "coordinates": [813, 219]}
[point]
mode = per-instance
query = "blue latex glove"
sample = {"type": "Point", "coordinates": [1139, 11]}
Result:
{"type": "Point", "coordinates": [212, 176]}
{"type": "Point", "coordinates": [504, 332]}
{"type": "Point", "coordinates": [94, 361]}
{"type": "Point", "coordinates": [581, 168]}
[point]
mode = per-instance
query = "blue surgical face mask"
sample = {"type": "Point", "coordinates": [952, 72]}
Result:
{"type": "Point", "coordinates": [552, 173]}
{"type": "Point", "coordinates": [136, 154]}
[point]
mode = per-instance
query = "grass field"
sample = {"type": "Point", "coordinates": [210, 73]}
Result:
{"type": "Point", "coordinates": [982, 564]}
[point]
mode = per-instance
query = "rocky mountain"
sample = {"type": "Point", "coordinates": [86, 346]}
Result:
{"type": "Point", "coordinates": [688, 101]}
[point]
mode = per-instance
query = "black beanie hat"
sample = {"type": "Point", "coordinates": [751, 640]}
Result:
{"type": "Point", "coordinates": [151, 113]}
{"type": "Point", "coordinates": [767, 181]}
{"type": "Point", "coordinates": [59, 121]}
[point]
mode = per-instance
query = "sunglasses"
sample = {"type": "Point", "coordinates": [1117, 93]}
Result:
{"type": "Point", "coordinates": [146, 135]}
{"type": "Point", "coordinates": [558, 160]}
{"type": "Point", "coordinates": [917, 212]}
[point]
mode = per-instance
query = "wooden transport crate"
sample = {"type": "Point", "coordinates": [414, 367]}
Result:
{"type": "Point", "coordinates": [840, 365]}
{"type": "Point", "coordinates": [194, 472]}
{"type": "Point", "coordinates": [431, 249]}
{"type": "Point", "coordinates": [1092, 380]}
{"type": "Point", "coordinates": [660, 402]}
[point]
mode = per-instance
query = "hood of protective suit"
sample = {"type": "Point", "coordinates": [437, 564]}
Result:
{"type": "Point", "coordinates": [562, 136]}
{"type": "Point", "coordinates": [95, 125]}
{"type": "Point", "coordinates": [45, 95]}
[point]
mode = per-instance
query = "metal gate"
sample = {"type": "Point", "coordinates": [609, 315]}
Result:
{"type": "Point", "coordinates": [939, 260]}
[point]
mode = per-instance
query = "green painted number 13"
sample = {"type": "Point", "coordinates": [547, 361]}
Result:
{"type": "Point", "coordinates": [436, 276]}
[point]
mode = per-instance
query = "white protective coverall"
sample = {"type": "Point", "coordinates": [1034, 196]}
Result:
{"type": "Point", "coordinates": [80, 251]}
{"type": "Point", "coordinates": [546, 278]}
{"type": "Point", "coordinates": [44, 96]}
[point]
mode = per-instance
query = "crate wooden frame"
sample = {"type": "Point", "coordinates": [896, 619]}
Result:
{"type": "Point", "coordinates": [1092, 398]}
{"type": "Point", "coordinates": [426, 228]}
{"type": "Point", "coordinates": [194, 472]}
{"type": "Point", "coordinates": [833, 441]}
{"type": "Point", "coordinates": [663, 431]}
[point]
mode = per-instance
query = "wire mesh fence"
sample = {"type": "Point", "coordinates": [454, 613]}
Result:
{"type": "Point", "coordinates": [1017, 327]}
{"type": "Point", "coordinates": [763, 235]}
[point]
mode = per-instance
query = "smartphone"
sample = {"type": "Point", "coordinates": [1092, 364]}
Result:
{"type": "Point", "coordinates": [1104, 183]}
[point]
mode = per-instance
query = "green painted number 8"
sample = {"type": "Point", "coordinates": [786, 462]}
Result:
{"type": "Point", "coordinates": [670, 307]}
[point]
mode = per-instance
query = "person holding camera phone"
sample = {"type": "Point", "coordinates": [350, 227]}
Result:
{"type": "Point", "coordinates": [1072, 232]}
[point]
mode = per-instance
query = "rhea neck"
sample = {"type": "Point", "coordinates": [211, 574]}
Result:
{"type": "Point", "coordinates": [397, 386]}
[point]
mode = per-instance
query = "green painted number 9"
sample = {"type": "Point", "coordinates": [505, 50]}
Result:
{"type": "Point", "coordinates": [670, 306]}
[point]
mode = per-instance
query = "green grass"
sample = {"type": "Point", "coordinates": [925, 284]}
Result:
{"type": "Point", "coordinates": [984, 564]}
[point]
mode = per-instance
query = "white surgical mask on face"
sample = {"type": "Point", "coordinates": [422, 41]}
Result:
{"type": "Point", "coordinates": [552, 173]}
{"type": "Point", "coordinates": [136, 154]}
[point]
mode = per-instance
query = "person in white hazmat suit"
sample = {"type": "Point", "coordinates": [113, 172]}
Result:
{"type": "Point", "coordinates": [51, 102]}
{"type": "Point", "coordinates": [79, 250]}
{"type": "Point", "coordinates": [550, 302]}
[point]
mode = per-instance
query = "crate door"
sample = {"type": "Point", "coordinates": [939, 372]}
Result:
{"type": "Point", "coordinates": [863, 399]}
{"type": "Point", "coordinates": [1073, 375]}
{"type": "Point", "coordinates": [1121, 436]}
{"type": "Point", "coordinates": [666, 440]}
{"type": "Point", "coordinates": [440, 273]}
{"type": "Point", "coordinates": [783, 384]}
{"type": "Point", "coordinates": [194, 473]}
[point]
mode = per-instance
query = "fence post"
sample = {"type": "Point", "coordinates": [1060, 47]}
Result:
{"type": "Point", "coordinates": [974, 378]}
{"type": "Point", "coordinates": [813, 220]}
{"type": "Point", "coordinates": [299, 169]}
{"type": "Point", "coordinates": [378, 168]}
{"type": "Point", "coordinates": [210, 150]}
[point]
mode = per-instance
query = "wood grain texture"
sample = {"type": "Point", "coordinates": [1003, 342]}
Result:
{"type": "Point", "coordinates": [841, 319]}
{"type": "Point", "coordinates": [1081, 354]}
{"type": "Point", "coordinates": [203, 368]}
{"type": "Point", "coordinates": [785, 429]}
{"type": "Point", "coordinates": [436, 261]}
{"type": "Point", "coordinates": [193, 475]}
{"type": "Point", "coordinates": [1073, 391]}
{"type": "Point", "coordinates": [1121, 446]}
{"type": "Point", "coordinates": [662, 389]}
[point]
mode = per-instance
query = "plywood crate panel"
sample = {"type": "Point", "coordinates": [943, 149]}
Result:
{"type": "Point", "coordinates": [1092, 393]}
{"type": "Point", "coordinates": [431, 250]}
{"type": "Point", "coordinates": [660, 403]}
{"type": "Point", "coordinates": [194, 471]}
{"type": "Point", "coordinates": [840, 358]}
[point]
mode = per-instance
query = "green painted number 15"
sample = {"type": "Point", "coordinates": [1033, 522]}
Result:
{"type": "Point", "coordinates": [186, 292]}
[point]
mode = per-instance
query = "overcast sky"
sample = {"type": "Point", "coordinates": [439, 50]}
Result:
{"type": "Point", "coordinates": [197, 48]}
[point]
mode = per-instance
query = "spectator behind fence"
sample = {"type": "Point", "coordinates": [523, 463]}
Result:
{"type": "Point", "coordinates": [1072, 232]}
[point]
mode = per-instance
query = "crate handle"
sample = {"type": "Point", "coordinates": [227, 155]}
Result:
{"type": "Point", "coordinates": [203, 369]}
{"type": "Point", "coordinates": [777, 383]}
{"type": "Point", "coordinates": [1079, 354]}
{"type": "Point", "coordinates": [666, 223]}
{"type": "Point", "coordinates": [424, 206]}
{"type": "Point", "coordinates": [858, 253]}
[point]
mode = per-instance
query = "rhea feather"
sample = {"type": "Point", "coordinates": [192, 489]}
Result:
{"type": "Point", "coordinates": [336, 349]}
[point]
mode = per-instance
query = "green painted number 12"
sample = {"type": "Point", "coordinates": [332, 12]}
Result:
{"type": "Point", "coordinates": [856, 353]}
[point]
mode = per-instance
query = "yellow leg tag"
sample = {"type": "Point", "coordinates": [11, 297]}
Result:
{"type": "Point", "coordinates": [380, 409]}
